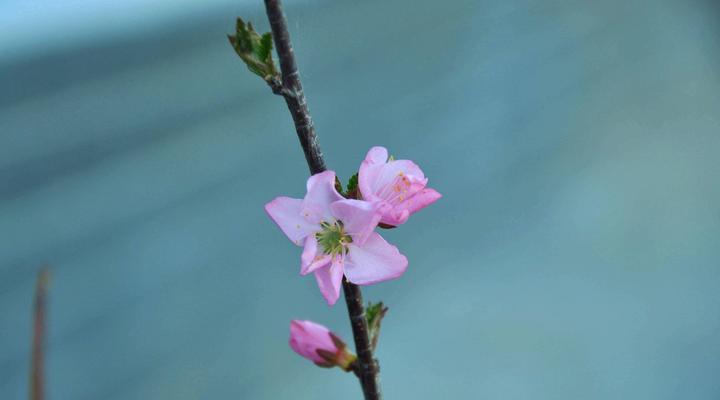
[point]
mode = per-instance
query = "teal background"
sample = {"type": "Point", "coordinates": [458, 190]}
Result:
{"type": "Point", "coordinates": [575, 254]}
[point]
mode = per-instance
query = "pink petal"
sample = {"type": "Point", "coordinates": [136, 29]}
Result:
{"type": "Point", "coordinates": [286, 213]}
{"type": "Point", "coordinates": [370, 169]}
{"type": "Point", "coordinates": [311, 259]}
{"type": "Point", "coordinates": [306, 337]}
{"type": "Point", "coordinates": [329, 280]}
{"type": "Point", "coordinates": [377, 155]}
{"type": "Point", "coordinates": [393, 169]}
{"type": "Point", "coordinates": [373, 262]}
{"type": "Point", "coordinates": [359, 218]}
{"type": "Point", "coordinates": [321, 193]}
{"type": "Point", "coordinates": [421, 200]}
{"type": "Point", "coordinates": [395, 216]}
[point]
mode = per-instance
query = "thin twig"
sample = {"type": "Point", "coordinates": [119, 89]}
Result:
{"type": "Point", "coordinates": [291, 89]}
{"type": "Point", "coordinates": [367, 368]}
{"type": "Point", "coordinates": [295, 98]}
{"type": "Point", "coordinates": [36, 363]}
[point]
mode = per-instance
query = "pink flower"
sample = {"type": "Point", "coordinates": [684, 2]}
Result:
{"type": "Point", "coordinates": [316, 343]}
{"type": "Point", "coordinates": [397, 187]}
{"type": "Point", "coordinates": [337, 236]}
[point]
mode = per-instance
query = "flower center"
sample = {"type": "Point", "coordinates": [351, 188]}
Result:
{"type": "Point", "coordinates": [332, 238]}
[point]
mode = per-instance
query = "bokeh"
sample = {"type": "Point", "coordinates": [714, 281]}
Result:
{"type": "Point", "coordinates": [575, 254]}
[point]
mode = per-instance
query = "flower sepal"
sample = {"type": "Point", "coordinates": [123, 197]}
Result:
{"type": "Point", "coordinates": [386, 226]}
{"type": "Point", "coordinates": [341, 358]}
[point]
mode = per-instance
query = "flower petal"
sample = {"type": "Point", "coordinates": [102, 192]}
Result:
{"type": "Point", "coordinates": [369, 170]}
{"type": "Point", "coordinates": [309, 252]}
{"type": "Point", "coordinates": [393, 169]}
{"type": "Point", "coordinates": [321, 193]}
{"type": "Point", "coordinates": [306, 337]}
{"type": "Point", "coordinates": [359, 218]}
{"type": "Point", "coordinates": [373, 262]}
{"type": "Point", "coordinates": [329, 280]}
{"type": "Point", "coordinates": [286, 213]}
{"type": "Point", "coordinates": [421, 200]}
{"type": "Point", "coordinates": [377, 155]}
{"type": "Point", "coordinates": [311, 259]}
{"type": "Point", "coordinates": [394, 216]}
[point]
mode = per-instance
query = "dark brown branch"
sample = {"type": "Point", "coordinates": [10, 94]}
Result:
{"type": "Point", "coordinates": [294, 96]}
{"type": "Point", "coordinates": [36, 363]}
{"type": "Point", "coordinates": [367, 368]}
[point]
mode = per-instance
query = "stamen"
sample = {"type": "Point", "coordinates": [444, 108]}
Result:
{"type": "Point", "coordinates": [399, 191]}
{"type": "Point", "coordinates": [333, 239]}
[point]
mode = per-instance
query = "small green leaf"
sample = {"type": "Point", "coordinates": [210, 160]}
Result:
{"type": "Point", "coordinates": [374, 314]}
{"type": "Point", "coordinates": [265, 49]}
{"type": "Point", "coordinates": [254, 50]}
{"type": "Point", "coordinates": [352, 188]}
{"type": "Point", "coordinates": [353, 183]}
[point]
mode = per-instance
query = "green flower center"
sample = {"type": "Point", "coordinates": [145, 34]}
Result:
{"type": "Point", "coordinates": [332, 238]}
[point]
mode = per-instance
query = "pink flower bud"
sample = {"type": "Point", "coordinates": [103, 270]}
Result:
{"type": "Point", "coordinates": [316, 343]}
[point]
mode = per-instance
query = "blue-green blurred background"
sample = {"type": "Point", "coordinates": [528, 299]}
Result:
{"type": "Point", "coordinates": [575, 254]}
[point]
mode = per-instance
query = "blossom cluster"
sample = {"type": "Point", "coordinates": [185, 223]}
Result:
{"type": "Point", "coordinates": [337, 233]}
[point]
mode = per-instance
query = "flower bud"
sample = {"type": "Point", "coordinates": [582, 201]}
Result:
{"type": "Point", "coordinates": [316, 343]}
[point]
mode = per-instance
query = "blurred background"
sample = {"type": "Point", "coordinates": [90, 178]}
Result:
{"type": "Point", "coordinates": [575, 254]}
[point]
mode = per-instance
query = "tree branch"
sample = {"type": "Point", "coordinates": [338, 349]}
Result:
{"type": "Point", "coordinates": [367, 367]}
{"type": "Point", "coordinates": [36, 362]}
{"type": "Point", "coordinates": [294, 96]}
